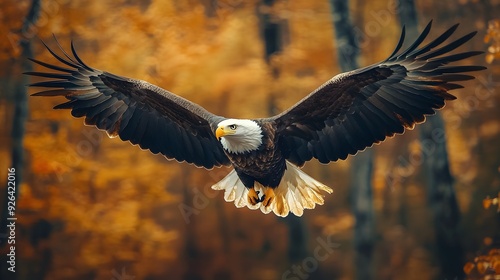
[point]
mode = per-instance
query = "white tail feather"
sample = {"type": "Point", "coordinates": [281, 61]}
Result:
{"type": "Point", "coordinates": [297, 191]}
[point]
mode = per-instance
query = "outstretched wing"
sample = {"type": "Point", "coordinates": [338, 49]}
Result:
{"type": "Point", "coordinates": [134, 110]}
{"type": "Point", "coordinates": [353, 110]}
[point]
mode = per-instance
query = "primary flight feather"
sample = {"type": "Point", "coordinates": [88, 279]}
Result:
{"type": "Point", "coordinates": [346, 114]}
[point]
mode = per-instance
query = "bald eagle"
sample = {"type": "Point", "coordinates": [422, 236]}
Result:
{"type": "Point", "coordinates": [347, 114]}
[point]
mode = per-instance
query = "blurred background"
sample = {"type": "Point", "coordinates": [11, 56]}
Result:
{"type": "Point", "coordinates": [423, 205]}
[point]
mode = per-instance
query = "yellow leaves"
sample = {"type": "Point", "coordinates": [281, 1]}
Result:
{"type": "Point", "coordinates": [11, 13]}
{"type": "Point", "coordinates": [494, 54]}
{"type": "Point", "coordinates": [487, 264]}
{"type": "Point", "coordinates": [47, 167]}
{"type": "Point", "coordinates": [484, 266]}
{"type": "Point", "coordinates": [29, 199]}
{"type": "Point", "coordinates": [493, 36]}
{"type": "Point", "coordinates": [468, 267]}
{"type": "Point", "coordinates": [489, 129]}
{"type": "Point", "coordinates": [487, 202]}
{"type": "Point", "coordinates": [50, 159]}
{"type": "Point", "coordinates": [339, 224]}
{"type": "Point", "coordinates": [117, 203]}
{"type": "Point", "coordinates": [496, 267]}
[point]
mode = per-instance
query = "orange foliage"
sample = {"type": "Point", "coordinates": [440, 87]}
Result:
{"type": "Point", "coordinates": [493, 37]}
{"type": "Point", "coordinates": [116, 209]}
{"type": "Point", "coordinates": [485, 267]}
{"type": "Point", "coordinates": [487, 202]}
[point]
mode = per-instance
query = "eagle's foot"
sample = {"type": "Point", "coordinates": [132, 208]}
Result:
{"type": "Point", "coordinates": [268, 197]}
{"type": "Point", "coordinates": [253, 196]}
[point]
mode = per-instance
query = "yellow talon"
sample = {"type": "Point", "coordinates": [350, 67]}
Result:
{"type": "Point", "coordinates": [253, 197]}
{"type": "Point", "coordinates": [268, 197]}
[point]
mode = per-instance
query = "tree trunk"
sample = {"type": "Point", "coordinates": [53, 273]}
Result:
{"type": "Point", "coordinates": [20, 100]}
{"type": "Point", "coordinates": [440, 192]}
{"type": "Point", "coordinates": [362, 205]}
{"type": "Point", "coordinates": [441, 198]}
{"type": "Point", "coordinates": [361, 164]}
{"type": "Point", "coordinates": [345, 39]}
{"type": "Point", "coordinates": [273, 32]}
{"type": "Point", "coordinates": [22, 64]}
{"type": "Point", "coordinates": [192, 254]}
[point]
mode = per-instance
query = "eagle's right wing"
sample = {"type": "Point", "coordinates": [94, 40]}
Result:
{"type": "Point", "coordinates": [353, 110]}
{"type": "Point", "coordinates": [134, 110]}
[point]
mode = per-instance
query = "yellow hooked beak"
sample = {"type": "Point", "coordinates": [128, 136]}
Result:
{"type": "Point", "coordinates": [220, 132]}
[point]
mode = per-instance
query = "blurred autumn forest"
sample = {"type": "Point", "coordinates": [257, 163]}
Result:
{"type": "Point", "coordinates": [91, 207]}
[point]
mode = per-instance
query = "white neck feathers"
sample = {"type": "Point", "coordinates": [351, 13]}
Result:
{"type": "Point", "coordinates": [246, 137]}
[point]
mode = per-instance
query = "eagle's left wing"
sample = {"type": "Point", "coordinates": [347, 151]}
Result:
{"type": "Point", "coordinates": [353, 110]}
{"type": "Point", "coordinates": [134, 110]}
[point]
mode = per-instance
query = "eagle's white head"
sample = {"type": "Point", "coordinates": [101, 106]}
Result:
{"type": "Point", "coordinates": [239, 136]}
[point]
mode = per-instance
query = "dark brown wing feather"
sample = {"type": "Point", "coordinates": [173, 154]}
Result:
{"type": "Point", "coordinates": [134, 110]}
{"type": "Point", "coordinates": [353, 110]}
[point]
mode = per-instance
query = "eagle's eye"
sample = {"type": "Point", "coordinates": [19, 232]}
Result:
{"type": "Point", "coordinates": [232, 127]}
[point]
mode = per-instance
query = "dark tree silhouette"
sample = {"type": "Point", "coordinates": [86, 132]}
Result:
{"type": "Point", "coordinates": [362, 164]}
{"type": "Point", "coordinates": [21, 96]}
{"type": "Point", "coordinates": [192, 254]}
{"type": "Point", "coordinates": [21, 64]}
{"type": "Point", "coordinates": [273, 32]}
{"type": "Point", "coordinates": [440, 192]}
